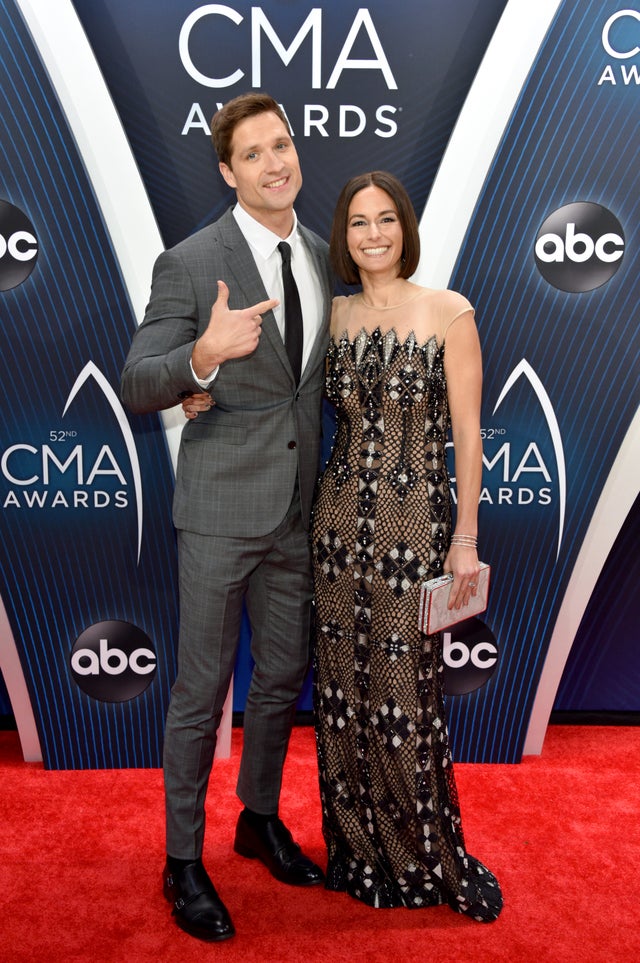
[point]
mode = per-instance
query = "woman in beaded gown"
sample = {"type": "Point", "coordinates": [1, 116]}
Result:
{"type": "Point", "coordinates": [403, 365]}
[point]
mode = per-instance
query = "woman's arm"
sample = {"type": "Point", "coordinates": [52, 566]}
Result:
{"type": "Point", "coordinates": [463, 370]}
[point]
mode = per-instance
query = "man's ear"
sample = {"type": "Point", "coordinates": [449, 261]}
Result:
{"type": "Point", "coordinates": [227, 173]}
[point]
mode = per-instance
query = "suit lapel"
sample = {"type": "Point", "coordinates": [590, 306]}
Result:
{"type": "Point", "coordinates": [242, 267]}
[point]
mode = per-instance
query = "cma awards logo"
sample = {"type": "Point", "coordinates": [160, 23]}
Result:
{"type": "Point", "coordinates": [113, 661]}
{"type": "Point", "coordinates": [69, 473]}
{"type": "Point", "coordinates": [521, 470]}
{"type": "Point", "coordinates": [211, 21]}
{"type": "Point", "coordinates": [620, 35]}
{"type": "Point", "coordinates": [18, 246]}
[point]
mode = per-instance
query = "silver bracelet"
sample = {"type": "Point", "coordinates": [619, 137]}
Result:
{"type": "Point", "coordinates": [465, 541]}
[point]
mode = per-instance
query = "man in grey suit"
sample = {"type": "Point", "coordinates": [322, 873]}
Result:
{"type": "Point", "coordinates": [246, 471]}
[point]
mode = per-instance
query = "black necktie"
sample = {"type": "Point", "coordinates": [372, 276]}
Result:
{"type": "Point", "coordinates": [292, 312]}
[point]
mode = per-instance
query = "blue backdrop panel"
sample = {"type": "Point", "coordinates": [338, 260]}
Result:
{"type": "Point", "coordinates": [563, 145]}
{"type": "Point", "coordinates": [70, 526]}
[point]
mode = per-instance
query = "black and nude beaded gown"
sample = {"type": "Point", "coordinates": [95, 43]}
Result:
{"type": "Point", "coordinates": [381, 526]}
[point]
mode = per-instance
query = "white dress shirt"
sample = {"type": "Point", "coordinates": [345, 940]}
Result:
{"type": "Point", "coordinates": [264, 247]}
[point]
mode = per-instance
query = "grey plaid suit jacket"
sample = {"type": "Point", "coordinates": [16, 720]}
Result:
{"type": "Point", "coordinates": [238, 462]}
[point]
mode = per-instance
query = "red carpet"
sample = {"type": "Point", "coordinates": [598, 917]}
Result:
{"type": "Point", "coordinates": [81, 855]}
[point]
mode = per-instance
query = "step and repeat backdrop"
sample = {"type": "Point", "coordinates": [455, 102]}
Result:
{"type": "Point", "coordinates": [516, 133]}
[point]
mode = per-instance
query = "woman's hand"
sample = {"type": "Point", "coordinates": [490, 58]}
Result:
{"type": "Point", "coordinates": [195, 403]}
{"type": "Point", "coordinates": [463, 563]}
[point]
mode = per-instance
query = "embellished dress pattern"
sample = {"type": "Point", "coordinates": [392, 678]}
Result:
{"type": "Point", "coordinates": [381, 526]}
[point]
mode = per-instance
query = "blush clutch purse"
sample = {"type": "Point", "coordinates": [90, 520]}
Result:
{"type": "Point", "coordinates": [434, 616]}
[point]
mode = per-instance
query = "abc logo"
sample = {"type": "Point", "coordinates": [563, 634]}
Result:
{"type": "Point", "coordinates": [18, 247]}
{"type": "Point", "coordinates": [113, 661]}
{"type": "Point", "coordinates": [579, 247]}
{"type": "Point", "coordinates": [470, 655]}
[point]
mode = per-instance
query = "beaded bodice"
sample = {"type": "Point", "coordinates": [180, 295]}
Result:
{"type": "Point", "coordinates": [391, 407]}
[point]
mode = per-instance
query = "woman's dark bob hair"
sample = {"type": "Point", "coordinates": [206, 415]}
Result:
{"type": "Point", "coordinates": [341, 260]}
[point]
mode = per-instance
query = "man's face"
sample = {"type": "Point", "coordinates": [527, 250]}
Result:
{"type": "Point", "coordinates": [264, 168]}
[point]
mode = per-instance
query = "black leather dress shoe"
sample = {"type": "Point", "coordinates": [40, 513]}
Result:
{"type": "Point", "coordinates": [273, 844]}
{"type": "Point", "coordinates": [197, 907]}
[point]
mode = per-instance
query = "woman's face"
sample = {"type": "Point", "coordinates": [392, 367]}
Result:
{"type": "Point", "coordinates": [374, 235]}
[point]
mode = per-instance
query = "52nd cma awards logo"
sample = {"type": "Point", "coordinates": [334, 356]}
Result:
{"type": "Point", "coordinates": [67, 473]}
{"type": "Point", "coordinates": [522, 470]}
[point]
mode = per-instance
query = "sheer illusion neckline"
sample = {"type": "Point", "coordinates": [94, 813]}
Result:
{"type": "Point", "coordinates": [390, 307]}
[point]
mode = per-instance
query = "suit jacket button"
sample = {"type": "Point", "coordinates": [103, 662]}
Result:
{"type": "Point", "coordinates": [291, 444]}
